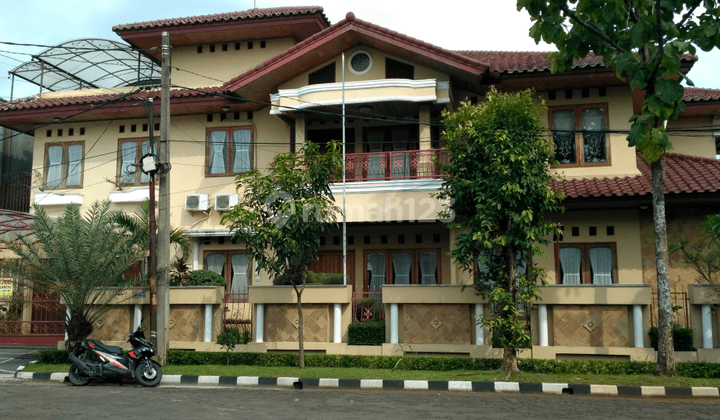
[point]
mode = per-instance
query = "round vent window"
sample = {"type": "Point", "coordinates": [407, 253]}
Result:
{"type": "Point", "coordinates": [360, 62]}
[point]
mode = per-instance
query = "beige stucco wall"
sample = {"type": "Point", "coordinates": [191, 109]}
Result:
{"type": "Point", "coordinates": [221, 65]}
{"type": "Point", "coordinates": [695, 143]}
{"type": "Point", "coordinates": [377, 70]}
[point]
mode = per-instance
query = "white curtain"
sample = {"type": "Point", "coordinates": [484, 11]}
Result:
{"type": "Point", "coordinates": [570, 262]}
{"type": "Point", "coordinates": [145, 150]}
{"type": "Point", "coordinates": [376, 168]}
{"type": "Point", "coordinates": [240, 273]}
{"type": "Point", "coordinates": [241, 147]}
{"type": "Point", "coordinates": [74, 165]}
{"type": "Point", "coordinates": [400, 161]}
{"type": "Point", "coordinates": [128, 150]}
{"type": "Point", "coordinates": [217, 152]}
{"type": "Point", "coordinates": [216, 263]}
{"type": "Point", "coordinates": [376, 266]}
{"type": "Point", "coordinates": [563, 127]}
{"type": "Point", "coordinates": [428, 267]}
{"type": "Point", "coordinates": [593, 125]}
{"type": "Point", "coordinates": [601, 263]}
{"type": "Point", "coordinates": [401, 264]}
{"type": "Point", "coordinates": [54, 166]}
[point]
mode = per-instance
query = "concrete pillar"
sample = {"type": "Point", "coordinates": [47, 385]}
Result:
{"type": "Point", "coordinates": [638, 326]}
{"type": "Point", "coordinates": [208, 323]}
{"type": "Point", "coordinates": [259, 322]}
{"type": "Point", "coordinates": [137, 317]}
{"type": "Point", "coordinates": [337, 323]}
{"type": "Point", "coordinates": [196, 255]}
{"type": "Point", "coordinates": [425, 161]}
{"type": "Point", "coordinates": [299, 130]}
{"type": "Point", "coordinates": [543, 325]}
{"type": "Point", "coordinates": [707, 338]}
{"type": "Point", "coordinates": [479, 329]}
{"type": "Point", "coordinates": [394, 323]}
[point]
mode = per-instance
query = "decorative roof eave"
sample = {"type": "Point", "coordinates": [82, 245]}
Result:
{"type": "Point", "coordinates": [350, 31]}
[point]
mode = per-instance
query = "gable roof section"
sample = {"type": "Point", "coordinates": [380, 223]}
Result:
{"type": "Point", "coordinates": [510, 62]}
{"type": "Point", "coordinates": [683, 174]}
{"type": "Point", "coordinates": [343, 35]}
{"type": "Point", "coordinates": [699, 95]}
{"type": "Point", "coordinates": [224, 17]}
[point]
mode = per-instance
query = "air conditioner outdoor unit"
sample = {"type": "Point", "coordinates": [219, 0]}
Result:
{"type": "Point", "coordinates": [196, 202]}
{"type": "Point", "coordinates": [225, 202]}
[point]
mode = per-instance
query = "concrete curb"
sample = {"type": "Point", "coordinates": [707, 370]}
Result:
{"type": "Point", "coordinates": [468, 386]}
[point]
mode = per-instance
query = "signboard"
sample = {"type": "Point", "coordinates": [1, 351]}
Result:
{"type": "Point", "coordinates": [6, 288]}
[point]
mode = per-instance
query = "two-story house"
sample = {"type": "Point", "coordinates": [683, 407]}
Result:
{"type": "Point", "coordinates": [251, 84]}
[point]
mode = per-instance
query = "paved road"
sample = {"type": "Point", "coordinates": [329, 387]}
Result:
{"type": "Point", "coordinates": [43, 400]}
{"type": "Point", "coordinates": [12, 357]}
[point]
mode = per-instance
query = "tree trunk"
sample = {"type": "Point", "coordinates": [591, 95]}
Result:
{"type": "Point", "coordinates": [78, 328]}
{"type": "Point", "coordinates": [510, 363]}
{"type": "Point", "coordinates": [301, 348]}
{"type": "Point", "coordinates": [666, 350]}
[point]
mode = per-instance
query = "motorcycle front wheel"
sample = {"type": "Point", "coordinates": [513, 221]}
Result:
{"type": "Point", "coordinates": [76, 377]}
{"type": "Point", "coordinates": [148, 373]}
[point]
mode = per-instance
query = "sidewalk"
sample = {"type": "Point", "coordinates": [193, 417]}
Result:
{"type": "Point", "coordinates": [375, 384]}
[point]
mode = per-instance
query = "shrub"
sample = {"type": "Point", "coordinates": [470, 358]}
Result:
{"type": "Point", "coordinates": [228, 340]}
{"type": "Point", "coordinates": [682, 338]}
{"type": "Point", "coordinates": [324, 278]}
{"type": "Point", "coordinates": [366, 333]}
{"type": "Point", "coordinates": [200, 278]}
{"type": "Point", "coordinates": [52, 356]}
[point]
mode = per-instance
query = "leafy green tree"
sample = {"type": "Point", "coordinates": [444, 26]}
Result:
{"type": "Point", "coordinates": [81, 259]}
{"type": "Point", "coordinates": [499, 190]}
{"type": "Point", "coordinates": [281, 215]}
{"type": "Point", "coordinates": [642, 40]}
{"type": "Point", "coordinates": [704, 252]}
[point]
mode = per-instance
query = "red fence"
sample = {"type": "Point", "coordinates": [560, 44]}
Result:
{"type": "Point", "coordinates": [30, 318]}
{"type": "Point", "coordinates": [681, 309]}
{"type": "Point", "coordinates": [368, 306]}
{"type": "Point", "coordinates": [237, 313]}
{"type": "Point", "coordinates": [383, 166]}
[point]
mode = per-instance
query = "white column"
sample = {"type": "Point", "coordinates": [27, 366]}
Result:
{"type": "Point", "coordinates": [208, 323]}
{"type": "Point", "coordinates": [337, 324]}
{"type": "Point", "coordinates": [196, 255]}
{"type": "Point", "coordinates": [67, 311]}
{"type": "Point", "coordinates": [543, 324]}
{"type": "Point", "coordinates": [638, 326]}
{"type": "Point", "coordinates": [137, 317]}
{"type": "Point", "coordinates": [479, 329]}
{"type": "Point", "coordinates": [707, 327]}
{"type": "Point", "coordinates": [394, 323]}
{"type": "Point", "coordinates": [259, 322]}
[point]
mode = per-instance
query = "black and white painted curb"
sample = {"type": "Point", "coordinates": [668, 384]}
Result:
{"type": "Point", "coordinates": [379, 384]}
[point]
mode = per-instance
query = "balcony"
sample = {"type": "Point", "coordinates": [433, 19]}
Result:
{"type": "Point", "coordinates": [390, 166]}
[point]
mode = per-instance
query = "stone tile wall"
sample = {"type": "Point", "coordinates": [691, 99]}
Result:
{"type": "Point", "coordinates": [591, 326]}
{"type": "Point", "coordinates": [281, 323]}
{"type": "Point", "coordinates": [436, 324]}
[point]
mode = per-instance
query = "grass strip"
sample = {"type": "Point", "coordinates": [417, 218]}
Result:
{"type": "Point", "coordinates": [451, 375]}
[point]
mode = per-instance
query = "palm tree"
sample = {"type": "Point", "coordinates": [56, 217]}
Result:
{"type": "Point", "coordinates": [83, 260]}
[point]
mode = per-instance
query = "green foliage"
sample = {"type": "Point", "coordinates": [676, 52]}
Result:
{"type": "Point", "coordinates": [52, 356]}
{"type": "Point", "coordinates": [499, 206]}
{"type": "Point", "coordinates": [228, 340]}
{"type": "Point", "coordinates": [83, 260]}
{"type": "Point", "coordinates": [641, 40]}
{"type": "Point", "coordinates": [324, 278]}
{"type": "Point", "coordinates": [366, 333]}
{"type": "Point", "coordinates": [683, 338]}
{"type": "Point", "coordinates": [200, 278]}
{"type": "Point", "coordinates": [704, 252]}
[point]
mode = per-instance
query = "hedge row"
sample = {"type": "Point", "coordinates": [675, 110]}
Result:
{"type": "Point", "coordinates": [579, 367]}
{"type": "Point", "coordinates": [366, 333]}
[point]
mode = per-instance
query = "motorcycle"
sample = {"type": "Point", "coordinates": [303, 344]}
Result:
{"type": "Point", "coordinates": [97, 360]}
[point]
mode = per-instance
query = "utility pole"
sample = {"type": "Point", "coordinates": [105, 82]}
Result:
{"type": "Point", "coordinates": [152, 269]}
{"type": "Point", "coordinates": [163, 308]}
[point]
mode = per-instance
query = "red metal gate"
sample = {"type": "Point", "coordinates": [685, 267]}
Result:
{"type": "Point", "coordinates": [34, 321]}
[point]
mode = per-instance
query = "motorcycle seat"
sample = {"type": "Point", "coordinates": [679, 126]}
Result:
{"type": "Point", "coordinates": [108, 349]}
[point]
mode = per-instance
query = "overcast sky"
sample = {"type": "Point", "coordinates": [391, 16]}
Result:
{"type": "Point", "coordinates": [451, 24]}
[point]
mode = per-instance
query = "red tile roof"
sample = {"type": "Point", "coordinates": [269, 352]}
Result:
{"type": "Point", "coordinates": [35, 103]}
{"type": "Point", "coordinates": [524, 61]}
{"type": "Point", "coordinates": [683, 174]}
{"type": "Point", "coordinates": [224, 17]}
{"type": "Point", "coordinates": [696, 95]}
{"type": "Point", "coordinates": [339, 28]}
